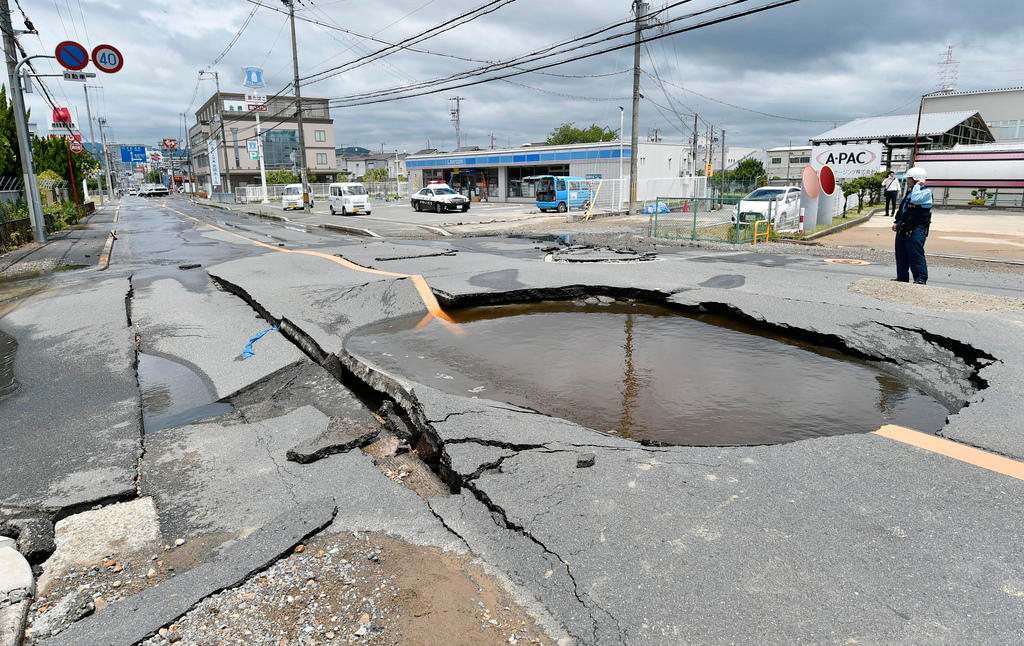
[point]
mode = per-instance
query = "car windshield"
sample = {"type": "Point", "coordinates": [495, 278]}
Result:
{"type": "Point", "coordinates": [291, 190]}
{"type": "Point", "coordinates": [763, 194]}
{"type": "Point", "coordinates": [443, 191]}
{"type": "Point", "coordinates": [355, 190]}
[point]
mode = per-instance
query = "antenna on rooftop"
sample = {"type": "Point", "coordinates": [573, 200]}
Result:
{"type": "Point", "coordinates": [949, 71]}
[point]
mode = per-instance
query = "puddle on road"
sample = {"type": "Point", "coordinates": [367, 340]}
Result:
{"type": "Point", "coordinates": [173, 395]}
{"type": "Point", "coordinates": [649, 372]}
{"type": "Point", "coordinates": [8, 348]}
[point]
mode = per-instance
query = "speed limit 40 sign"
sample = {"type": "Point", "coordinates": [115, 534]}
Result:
{"type": "Point", "coordinates": [107, 58]}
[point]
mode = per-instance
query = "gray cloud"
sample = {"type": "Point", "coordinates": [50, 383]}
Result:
{"type": "Point", "coordinates": [820, 60]}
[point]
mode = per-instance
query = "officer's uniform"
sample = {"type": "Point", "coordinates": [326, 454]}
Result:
{"type": "Point", "coordinates": [912, 222]}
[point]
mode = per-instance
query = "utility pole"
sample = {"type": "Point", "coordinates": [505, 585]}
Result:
{"type": "Point", "coordinates": [223, 135]}
{"type": "Point", "coordinates": [303, 174]}
{"type": "Point", "coordinates": [106, 158]}
{"type": "Point", "coordinates": [457, 119]}
{"type": "Point", "coordinates": [622, 121]}
{"type": "Point", "coordinates": [35, 207]}
{"type": "Point", "coordinates": [92, 133]}
{"type": "Point", "coordinates": [693, 149]}
{"type": "Point", "coordinates": [638, 10]}
{"type": "Point", "coordinates": [721, 190]}
{"type": "Point", "coordinates": [492, 141]}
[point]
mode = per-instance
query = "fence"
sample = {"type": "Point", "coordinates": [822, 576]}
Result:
{"type": "Point", "coordinates": [697, 218]}
{"type": "Point", "coordinates": [377, 190]}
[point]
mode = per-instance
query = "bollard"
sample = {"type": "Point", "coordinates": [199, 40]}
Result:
{"type": "Point", "coordinates": [801, 231]}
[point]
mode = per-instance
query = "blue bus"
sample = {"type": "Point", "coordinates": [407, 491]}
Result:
{"type": "Point", "coordinates": [561, 193]}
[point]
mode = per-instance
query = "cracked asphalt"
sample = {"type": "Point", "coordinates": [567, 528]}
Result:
{"type": "Point", "coordinates": [838, 540]}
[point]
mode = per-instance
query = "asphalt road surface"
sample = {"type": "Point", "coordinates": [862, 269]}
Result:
{"type": "Point", "coordinates": [889, 537]}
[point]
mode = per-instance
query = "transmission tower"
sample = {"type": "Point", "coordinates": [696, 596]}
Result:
{"type": "Point", "coordinates": [949, 71]}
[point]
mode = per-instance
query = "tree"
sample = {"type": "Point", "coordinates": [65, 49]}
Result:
{"type": "Point", "coordinates": [10, 160]}
{"type": "Point", "coordinates": [748, 169]}
{"type": "Point", "coordinates": [154, 177]}
{"type": "Point", "coordinates": [281, 176]}
{"type": "Point", "coordinates": [52, 154]}
{"type": "Point", "coordinates": [567, 133]}
{"type": "Point", "coordinates": [375, 175]}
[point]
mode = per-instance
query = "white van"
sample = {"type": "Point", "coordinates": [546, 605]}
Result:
{"type": "Point", "coordinates": [292, 197]}
{"type": "Point", "coordinates": [348, 197]}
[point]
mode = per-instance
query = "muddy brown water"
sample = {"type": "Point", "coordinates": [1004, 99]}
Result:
{"type": "Point", "coordinates": [650, 372]}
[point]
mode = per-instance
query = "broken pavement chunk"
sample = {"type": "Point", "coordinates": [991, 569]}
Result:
{"type": "Point", "coordinates": [142, 615]}
{"type": "Point", "coordinates": [584, 460]}
{"type": "Point", "coordinates": [342, 434]}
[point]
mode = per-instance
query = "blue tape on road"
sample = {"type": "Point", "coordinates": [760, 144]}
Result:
{"type": "Point", "coordinates": [248, 352]}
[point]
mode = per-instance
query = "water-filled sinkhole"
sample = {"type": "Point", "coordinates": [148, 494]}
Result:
{"type": "Point", "coordinates": [650, 373]}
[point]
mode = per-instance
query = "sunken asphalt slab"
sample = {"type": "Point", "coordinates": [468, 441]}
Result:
{"type": "Point", "coordinates": [72, 440]}
{"type": "Point", "coordinates": [817, 541]}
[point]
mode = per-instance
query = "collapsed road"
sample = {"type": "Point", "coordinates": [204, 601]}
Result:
{"type": "Point", "coordinates": [599, 539]}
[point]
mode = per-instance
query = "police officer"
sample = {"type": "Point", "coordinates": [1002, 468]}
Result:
{"type": "Point", "coordinates": [912, 221]}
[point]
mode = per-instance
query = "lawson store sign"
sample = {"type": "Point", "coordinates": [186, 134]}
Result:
{"type": "Point", "coordinates": [517, 158]}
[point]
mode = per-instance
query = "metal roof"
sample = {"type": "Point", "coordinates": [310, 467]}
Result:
{"type": "Point", "coordinates": [898, 125]}
{"type": "Point", "coordinates": [939, 95]}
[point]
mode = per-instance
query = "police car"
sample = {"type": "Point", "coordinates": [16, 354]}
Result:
{"type": "Point", "coordinates": [438, 197]}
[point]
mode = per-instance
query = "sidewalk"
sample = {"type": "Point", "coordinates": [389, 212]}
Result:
{"type": "Point", "coordinates": [83, 245]}
{"type": "Point", "coordinates": [994, 235]}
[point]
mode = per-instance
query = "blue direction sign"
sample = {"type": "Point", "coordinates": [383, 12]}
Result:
{"type": "Point", "coordinates": [131, 154]}
{"type": "Point", "coordinates": [71, 55]}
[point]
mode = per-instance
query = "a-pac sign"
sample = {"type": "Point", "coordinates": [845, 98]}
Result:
{"type": "Point", "coordinates": [848, 160]}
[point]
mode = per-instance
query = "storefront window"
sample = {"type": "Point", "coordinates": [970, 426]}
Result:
{"type": "Point", "coordinates": [519, 188]}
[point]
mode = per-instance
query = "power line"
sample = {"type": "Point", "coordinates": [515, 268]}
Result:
{"type": "Point", "coordinates": [740, 107]}
{"type": "Point", "coordinates": [238, 34]}
{"type": "Point", "coordinates": [381, 95]}
{"type": "Point", "coordinates": [448, 25]}
{"type": "Point", "coordinates": [567, 96]}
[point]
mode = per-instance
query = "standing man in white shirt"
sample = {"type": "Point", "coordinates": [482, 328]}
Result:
{"type": "Point", "coordinates": [891, 188]}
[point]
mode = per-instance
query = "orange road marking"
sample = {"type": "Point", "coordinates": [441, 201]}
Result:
{"type": "Point", "coordinates": [955, 450]}
{"type": "Point", "coordinates": [419, 282]}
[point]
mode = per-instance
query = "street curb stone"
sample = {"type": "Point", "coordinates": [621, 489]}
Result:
{"type": "Point", "coordinates": [142, 615]}
{"type": "Point", "coordinates": [16, 589]}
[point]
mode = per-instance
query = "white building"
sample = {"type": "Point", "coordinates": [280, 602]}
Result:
{"type": "Point", "coordinates": [1002, 109]}
{"type": "Point", "coordinates": [499, 175]}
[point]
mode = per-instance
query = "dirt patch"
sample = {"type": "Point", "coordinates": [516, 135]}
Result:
{"type": "Point", "coordinates": [368, 589]}
{"type": "Point", "coordinates": [934, 298]}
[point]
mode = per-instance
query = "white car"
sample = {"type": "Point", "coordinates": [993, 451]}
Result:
{"type": "Point", "coordinates": [438, 198]}
{"type": "Point", "coordinates": [292, 197]}
{"type": "Point", "coordinates": [348, 197]}
{"type": "Point", "coordinates": [783, 202]}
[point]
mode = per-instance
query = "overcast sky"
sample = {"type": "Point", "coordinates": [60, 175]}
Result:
{"type": "Point", "coordinates": [815, 62]}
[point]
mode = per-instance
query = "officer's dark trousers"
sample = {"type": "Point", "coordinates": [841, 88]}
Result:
{"type": "Point", "coordinates": [910, 256]}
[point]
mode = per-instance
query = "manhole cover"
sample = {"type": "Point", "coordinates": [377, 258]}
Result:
{"type": "Point", "coordinates": [846, 261]}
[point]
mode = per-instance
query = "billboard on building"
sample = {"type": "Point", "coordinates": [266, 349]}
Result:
{"type": "Point", "coordinates": [211, 147]}
{"type": "Point", "coordinates": [848, 160]}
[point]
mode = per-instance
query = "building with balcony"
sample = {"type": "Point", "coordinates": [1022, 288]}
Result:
{"type": "Point", "coordinates": [226, 120]}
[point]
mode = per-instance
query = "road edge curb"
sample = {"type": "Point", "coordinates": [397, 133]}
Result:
{"type": "Point", "coordinates": [15, 604]}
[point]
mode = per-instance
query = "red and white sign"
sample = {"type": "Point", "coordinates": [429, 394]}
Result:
{"type": "Point", "coordinates": [76, 147]}
{"type": "Point", "coordinates": [154, 157]}
{"type": "Point", "coordinates": [68, 138]}
{"type": "Point", "coordinates": [257, 107]}
{"type": "Point", "coordinates": [64, 119]}
{"type": "Point", "coordinates": [107, 59]}
{"type": "Point", "coordinates": [170, 144]}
